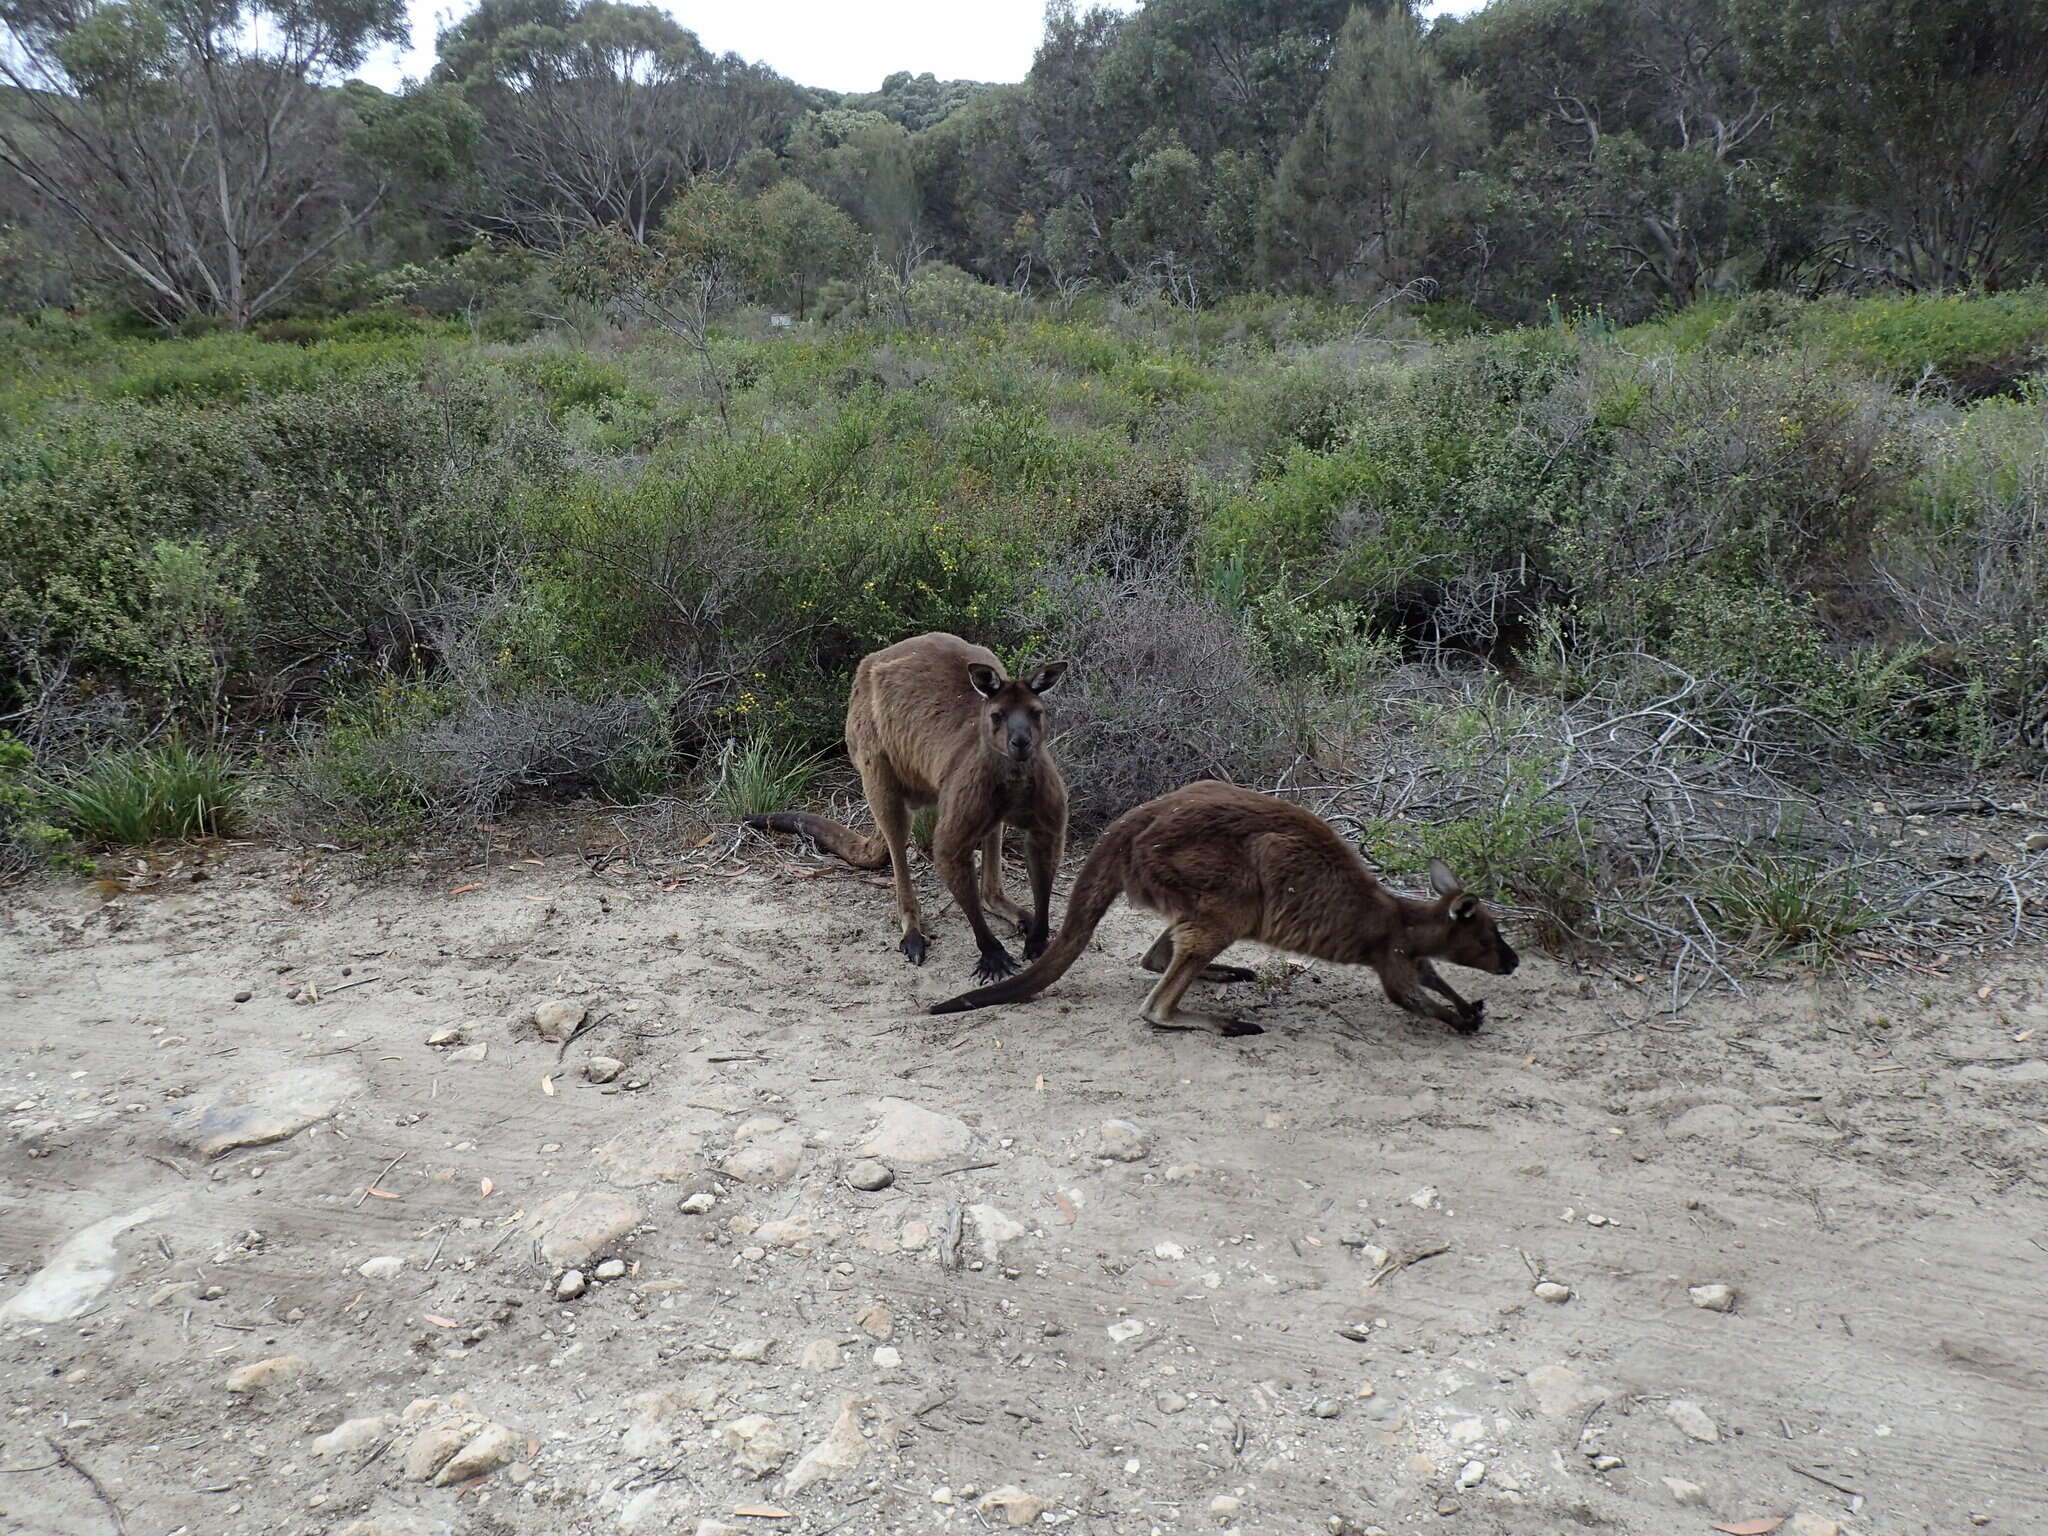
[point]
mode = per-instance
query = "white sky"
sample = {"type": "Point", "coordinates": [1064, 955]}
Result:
{"type": "Point", "coordinates": [842, 45]}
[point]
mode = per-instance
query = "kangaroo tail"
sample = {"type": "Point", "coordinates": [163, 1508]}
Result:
{"type": "Point", "coordinates": [1100, 882]}
{"type": "Point", "coordinates": [861, 852]}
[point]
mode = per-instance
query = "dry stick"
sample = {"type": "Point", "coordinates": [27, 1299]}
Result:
{"type": "Point", "coordinates": [1823, 1481]}
{"type": "Point", "coordinates": [67, 1459]}
{"type": "Point", "coordinates": [379, 1179]}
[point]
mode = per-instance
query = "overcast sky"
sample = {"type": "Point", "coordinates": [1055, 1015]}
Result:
{"type": "Point", "coordinates": [843, 45]}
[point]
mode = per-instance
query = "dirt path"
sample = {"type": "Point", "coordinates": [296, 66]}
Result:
{"type": "Point", "coordinates": [1150, 1341]}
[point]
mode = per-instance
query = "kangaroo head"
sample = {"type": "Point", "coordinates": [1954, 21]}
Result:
{"type": "Point", "coordinates": [1014, 722]}
{"type": "Point", "coordinates": [1471, 936]}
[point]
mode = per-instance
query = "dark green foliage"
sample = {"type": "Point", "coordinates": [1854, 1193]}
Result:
{"type": "Point", "coordinates": [160, 793]}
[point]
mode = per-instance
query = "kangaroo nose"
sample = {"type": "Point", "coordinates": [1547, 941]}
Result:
{"type": "Point", "coordinates": [1020, 747]}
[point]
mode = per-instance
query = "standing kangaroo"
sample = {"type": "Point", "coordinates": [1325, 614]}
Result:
{"type": "Point", "coordinates": [934, 720]}
{"type": "Point", "coordinates": [1222, 864]}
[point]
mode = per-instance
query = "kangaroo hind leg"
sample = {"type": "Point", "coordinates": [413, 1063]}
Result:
{"type": "Point", "coordinates": [1193, 948]}
{"type": "Point", "coordinates": [992, 898]}
{"type": "Point", "coordinates": [892, 819]}
{"type": "Point", "coordinates": [1161, 952]}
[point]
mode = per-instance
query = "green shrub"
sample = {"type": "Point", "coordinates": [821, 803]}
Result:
{"type": "Point", "coordinates": [1771, 905]}
{"type": "Point", "coordinates": [169, 791]}
{"type": "Point", "coordinates": [761, 777]}
{"type": "Point", "coordinates": [29, 835]}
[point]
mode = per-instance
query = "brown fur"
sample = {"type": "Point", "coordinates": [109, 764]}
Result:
{"type": "Point", "coordinates": [1221, 864]}
{"type": "Point", "coordinates": [936, 721]}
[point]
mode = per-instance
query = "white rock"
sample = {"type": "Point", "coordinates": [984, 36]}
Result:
{"type": "Point", "coordinates": [1016, 1507]}
{"type": "Point", "coordinates": [1561, 1392]}
{"type": "Point", "coordinates": [557, 1018]}
{"type": "Point", "coordinates": [266, 1375]}
{"type": "Point", "coordinates": [1554, 1293]}
{"type": "Point", "coordinates": [995, 1228]}
{"type": "Point", "coordinates": [1808, 1524]}
{"type": "Point", "coordinates": [603, 1069]}
{"type": "Point", "coordinates": [1715, 1297]}
{"type": "Point", "coordinates": [911, 1136]}
{"type": "Point", "coordinates": [77, 1274]}
{"type": "Point", "coordinates": [611, 1269]}
{"type": "Point", "coordinates": [1123, 1332]}
{"type": "Point", "coordinates": [1122, 1141]}
{"type": "Point", "coordinates": [353, 1435]}
{"type": "Point", "coordinates": [493, 1448]}
{"type": "Point", "coordinates": [698, 1203]}
{"type": "Point", "coordinates": [751, 1351]}
{"type": "Point", "coordinates": [452, 1036]}
{"type": "Point", "coordinates": [1472, 1474]}
{"type": "Point", "coordinates": [571, 1285]}
{"type": "Point", "coordinates": [869, 1174]}
{"type": "Point", "coordinates": [757, 1443]}
{"type": "Point", "coordinates": [766, 1159]}
{"type": "Point", "coordinates": [838, 1453]}
{"type": "Point", "coordinates": [386, 1266]}
{"type": "Point", "coordinates": [1683, 1492]}
{"type": "Point", "coordinates": [433, 1447]}
{"type": "Point", "coordinates": [478, 1052]}
{"type": "Point", "coordinates": [1691, 1420]}
{"type": "Point", "coordinates": [821, 1355]}
{"type": "Point", "coordinates": [264, 1109]}
{"type": "Point", "coordinates": [575, 1227]}
{"type": "Point", "coordinates": [888, 1358]}
{"type": "Point", "coordinates": [876, 1321]}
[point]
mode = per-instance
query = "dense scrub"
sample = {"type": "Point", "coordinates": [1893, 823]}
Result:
{"type": "Point", "coordinates": [406, 577]}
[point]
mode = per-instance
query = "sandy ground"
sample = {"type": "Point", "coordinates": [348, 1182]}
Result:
{"type": "Point", "coordinates": [1300, 1296]}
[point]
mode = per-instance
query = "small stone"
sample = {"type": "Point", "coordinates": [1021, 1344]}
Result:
{"type": "Point", "coordinates": [793, 1232]}
{"type": "Point", "coordinates": [888, 1358]}
{"type": "Point", "coordinates": [753, 1255]}
{"type": "Point", "coordinates": [914, 1237]}
{"type": "Point", "coordinates": [1692, 1420]}
{"type": "Point", "coordinates": [751, 1351]}
{"type": "Point", "coordinates": [451, 1036]}
{"type": "Point", "coordinates": [1561, 1392]}
{"type": "Point", "coordinates": [876, 1321]}
{"type": "Point", "coordinates": [263, 1110]}
{"type": "Point", "coordinates": [1326, 1407]}
{"type": "Point", "coordinates": [1598, 1221]}
{"type": "Point", "coordinates": [244, 995]}
{"type": "Point", "coordinates": [839, 1452]}
{"type": "Point", "coordinates": [266, 1374]}
{"type": "Point", "coordinates": [821, 1355]}
{"type": "Point", "coordinates": [1125, 1331]}
{"type": "Point", "coordinates": [475, 1052]}
{"type": "Point", "coordinates": [571, 1285]}
{"type": "Point", "coordinates": [870, 1174]}
{"type": "Point", "coordinates": [1715, 1297]}
{"type": "Point", "coordinates": [1017, 1508]}
{"type": "Point", "coordinates": [1122, 1141]}
{"type": "Point", "coordinates": [1807, 1524]}
{"type": "Point", "coordinates": [1447, 1505]}
{"type": "Point", "coordinates": [432, 1448]}
{"type": "Point", "coordinates": [574, 1228]}
{"type": "Point", "coordinates": [1607, 1463]}
{"type": "Point", "coordinates": [1683, 1492]}
{"type": "Point", "coordinates": [765, 1158]}
{"type": "Point", "coordinates": [698, 1204]}
{"type": "Point", "coordinates": [487, 1452]}
{"type": "Point", "coordinates": [385, 1266]}
{"type": "Point", "coordinates": [757, 1443]}
{"type": "Point", "coordinates": [1225, 1505]}
{"type": "Point", "coordinates": [914, 1137]}
{"type": "Point", "coordinates": [602, 1069]}
{"type": "Point", "coordinates": [1472, 1474]}
{"type": "Point", "coordinates": [1553, 1293]}
{"type": "Point", "coordinates": [556, 1019]}
{"type": "Point", "coordinates": [2036, 841]}
{"type": "Point", "coordinates": [611, 1269]}
{"type": "Point", "coordinates": [353, 1435]}
{"type": "Point", "coordinates": [1172, 1402]}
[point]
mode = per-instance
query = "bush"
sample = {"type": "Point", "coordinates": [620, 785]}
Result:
{"type": "Point", "coordinates": [29, 835]}
{"type": "Point", "coordinates": [150, 795]}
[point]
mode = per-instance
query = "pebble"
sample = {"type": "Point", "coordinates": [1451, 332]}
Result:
{"type": "Point", "coordinates": [1125, 1331]}
{"type": "Point", "coordinates": [574, 1228]}
{"type": "Point", "coordinates": [385, 1266]}
{"type": "Point", "coordinates": [244, 995]}
{"type": "Point", "coordinates": [698, 1204]}
{"type": "Point", "coordinates": [1683, 1492]}
{"type": "Point", "coordinates": [352, 1435]}
{"type": "Point", "coordinates": [487, 1452]}
{"type": "Point", "coordinates": [1607, 1463]}
{"type": "Point", "coordinates": [571, 1285]}
{"type": "Point", "coordinates": [1554, 1293]}
{"type": "Point", "coordinates": [757, 1443]}
{"type": "Point", "coordinates": [876, 1321]}
{"type": "Point", "coordinates": [870, 1174]}
{"type": "Point", "coordinates": [888, 1358]}
{"type": "Point", "coordinates": [1225, 1505]}
{"type": "Point", "coordinates": [264, 1109]}
{"type": "Point", "coordinates": [266, 1374]}
{"type": "Point", "coordinates": [556, 1018]}
{"type": "Point", "coordinates": [602, 1069]}
{"type": "Point", "coordinates": [821, 1355]}
{"type": "Point", "coordinates": [1808, 1524]}
{"type": "Point", "coordinates": [1561, 1392]}
{"type": "Point", "coordinates": [915, 1235]}
{"type": "Point", "coordinates": [445, 1037]}
{"type": "Point", "coordinates": [1016, 1507]}
{"type": "Point", "coordinates": [909, 1135]}
{"type": "Point", "coordinates": [1326, 1408]}
{"type": "Point", "coordinates": [1691, 1420]}
{"type": "Point", "coordinates": [2036, 841]}
{"type": "Point", "coordinates": [1472, 1474]}
{"type": "Point", "coordinates": [752, 1351]}
{"type": "Point", "coordinates": [1715, 1297]}
{"type": "Point", "coordinates": [840, 1451]}
{"type": "Point", "coordinates": [1122, 1141]}
{"type": "Point", "coordinates": [765, 1157]}
{"type": "Point", "coordinates": [477, 1052]}
{"type": "Point", "coordinates": [611, 1269]}
{"type": "Point", "coordinates": [753, 1255]}
{"type": "Point", "coordinates": [1172, 1402]}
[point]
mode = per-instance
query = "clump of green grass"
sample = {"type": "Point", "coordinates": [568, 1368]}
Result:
{"type": "Point", "coordinates": [761, 777]}
{"type": "Point", "coordinates": [149, 795]}
{"type": "Point", "coordinates": [1775, 906]}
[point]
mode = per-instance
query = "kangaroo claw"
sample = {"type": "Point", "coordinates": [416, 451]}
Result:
{"type": "Point", "coordinates": [914, 946]}
{"type": "Point", "coordinates": [995, 965]}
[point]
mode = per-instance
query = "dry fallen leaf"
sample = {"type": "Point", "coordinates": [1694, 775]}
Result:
{"type": "Point", "coordinates": [484, 1187]}
{"type": "Point", "coordinates": [2023, 1037]}
{"type": "Point", "coordinates": [1066, 1206]}
{"type": "Point", "coordinates": [382, 1194]}
{"type": "Point", "coordinates": [439, 1321]}
{"type": "Point", "coordinates": [1760, 1527]}
{"type": "Point", "coordinates": [464, 890]}
{"type": "Point", "coordinates": [1985, 990]}
{"type": "Point", "coordinates": [547, 1086]}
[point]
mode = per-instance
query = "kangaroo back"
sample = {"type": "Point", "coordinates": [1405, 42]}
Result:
{"type": "Point", "coordinates": [1100, 882]}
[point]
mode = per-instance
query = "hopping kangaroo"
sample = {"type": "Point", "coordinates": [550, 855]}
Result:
{"type": "Point", "coordinates": [1221, 864]}
{"type": "Point", "coordinates": [935, 720]}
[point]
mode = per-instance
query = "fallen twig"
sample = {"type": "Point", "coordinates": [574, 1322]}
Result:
{"type": "Point", "coordinates": [99, 1490]}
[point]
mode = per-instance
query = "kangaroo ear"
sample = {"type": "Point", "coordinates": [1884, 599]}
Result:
{"type": "Point", "coordinates": [1464, 908]}
{"type": "Point", "coordinates": [1441, 880]}
{"type": "Point", "coordinates": [985, 681]}
{"type": "Point", "coordinates": [1043, 679]}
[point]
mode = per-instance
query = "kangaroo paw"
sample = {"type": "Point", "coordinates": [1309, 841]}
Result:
{"type": "Point", "coordinates": [1034, 946]}
{"type": "Point", "coordinates": [1471, 1017]}
{"type": "Point", "coordinates": [914, 946]}
{"type": "Point", "coordinates": [1214, 1023]}
{"type": "Point", "coordinates": [995, 965]}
